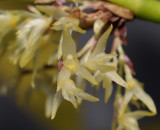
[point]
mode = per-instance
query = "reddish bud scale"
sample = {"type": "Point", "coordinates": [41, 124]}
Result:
{"type": "Point", "coordinates": [60, 65]}
{"type": "Point", "coordinates": [129, 63]}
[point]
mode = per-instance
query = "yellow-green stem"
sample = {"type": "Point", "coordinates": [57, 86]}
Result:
{"type": "Point", "coordinates": [144, 9]}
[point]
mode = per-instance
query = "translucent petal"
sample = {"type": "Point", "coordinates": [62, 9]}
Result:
{"type": "Point", "coordinates": [102, 57]}
{"type": "Point", "coordinates": [79, 100]}
{"type": "Point", "coordinates": [34, 10]}
{"type": "Point", "coordinates": [130, 123]}
{"type": "Point", "coordinates": [140, 114]}
{"type": "Point", "coordinates": [92, 65]}
{"type": "Point", "coordinates": [84, 73]}
{"type": "Point", "coordinates": [98, 26]}
{"type": "Point", "coordinates": [63, 21]}
{"type": "Point", "coordinates": [70, 87]}
{"type": "Point", "coordinates": [101, 44]}
{"type": "Point", "coordinates": [56, 102]}
{"type": "Point", "coordinates": [47, 53]}
{"type": "Point", "coordinates": [68, 45]}
{"type": "Point", "coordinates": [70, 63]}
{"type": "Point", "coordinates": [128, 74]}
{"type": "Point", "coordinates": [127, 97]}
{"type": "Point", "coordinates": [52, 59]}
{"type": "Point", "coordinates": [107, 84]}
{"type": "Point", "coordinates": [5, 19]}
{"type": "Point", "coordinates": [98, 76]}
{"type": "Point", "coordinates": [106, 81]}
{"type": "Point", "coordinates": [69, 97]}
{"type": "Point", "coordinates": [108, 92]}
{"type": "Point", "coordinates": [81, 84]}
{"type": "Point", "coordinates": [63, 75]}
{"type": "Point", "coordinates": [70, 90]}
{"type": "Point", "coordinates": [106, 68]}
{"type": "Point", "coordinates": [48, 106]}
{"type": "Point", "coordinates": [35, 30]}
{"type": "Point", "coordinates": [31, 34]}
{"type": "Point", "coordinates": [85, 58]}
{"type": "Point", "coordinates": [55, 12]}
{"type": "Point", "coordinates": [35, 69]}
{"type": "Point", "coordinates": [69, 23]}
{"type": "Point", "coordinates": [27, 55]}
{"type": "Point", "coordinates": [101, 62]}
{"type": "Point", "coordinates": [116, 78]}
{"type": "Point", "coordinates": [75, 28]}
{"type": "Point", "coordinates": [145, 98]}
{"type": "Point", "coordinates": [87, 96]}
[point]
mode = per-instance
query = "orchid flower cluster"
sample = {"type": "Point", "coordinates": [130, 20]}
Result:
{"type": "Point", "coordinates": [42, 43]}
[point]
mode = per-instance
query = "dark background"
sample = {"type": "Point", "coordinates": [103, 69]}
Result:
{"type": "Point", "coordinates": [144, 50]}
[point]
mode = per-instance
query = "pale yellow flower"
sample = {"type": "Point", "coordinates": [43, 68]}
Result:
{"type": "Point", "coordinates": [127, 119]}
{"type": "Point", "coordinates": [70, 93]}
{"type": "Point", "coordinates": [100, 63]}
{"type": "Point", "coordinates": [66, 88]}
{"type": "Point", "coordinates": [72, 24]}
{"type": "Point", "coordinates": [8, 22]}
{"type": "Point", "coordinates": [30, 32]}
{"type": "Point", "coordinates": [71, 63]}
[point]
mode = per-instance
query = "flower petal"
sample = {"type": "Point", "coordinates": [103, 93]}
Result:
{"type": "Point", "coordinates": [106, 68]}
{"type": "Point", "coordinates": [107, 84]}
{"type": "Point", "coordinates": [98, 26]}
{"type": "Point", "coordinates": [68, 45]}
{"type": "Point", "coordinates": [145, 98]}
{"type": "Point", "coordinates": [130, 123]}
{"type": "Point", "coordinates": [53, 11]}
{"type": "Point", "coordinates": [98, 76]}
{"type": "Point", "coordinates": [101, 44]}
{"type": "Point", "coordinates": [116, 78]}
{"type": "Point", "coordinates": [87, 96]}
{"type": "Point", "coordinates": [48, 106]}
{"type": "Point", "coordinates": [102, 57]}
{"type": "Point", "coordinates": [70, 87]}
{"type": "Point", "coordinates": [56, 102]}
{"type": "Point", "coordinates": [127, 97]}
{"type": "Point", "coordinates": [81, 84]}
{"type": "Point", "coordinates": [63, 75]}
{"type": "Point", "coordinates": [85, 74]}
{"type": "Point", "coordinates": [69, 23]}
{"type": "Point", "coordinates": [140, 114]}
{"type": "Point", "coordinates": [69, 98]}
{"type": "Point", "coordinates": [27, 55]}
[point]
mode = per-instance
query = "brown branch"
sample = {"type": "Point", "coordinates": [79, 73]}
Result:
{"type": "Point", "coordinates": [105, 11]}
